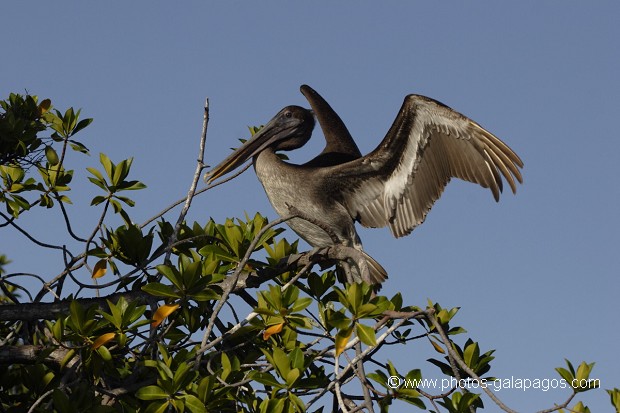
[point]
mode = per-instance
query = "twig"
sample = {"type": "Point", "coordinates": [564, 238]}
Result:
{"type": "Point", "coordinates": [198, 192]}
{"type": "Point", "coordinates": [234, 277]}
{"type": "Point", "coordinates": [560, 406]}
{"type": "Point", "coordinates": [98, 226]}
{"type": "Point", "coordinates": [301, 272]}
{"type": "Point", "coordinates": [364, 353]}
{"type": "Point", "coordinates": [66, 218]}
{"type": "Point", "coordinates": [192, 189]}
{"type": "Point", "coordinates": [27, 235]}
{"type": "Point", "coordinates": [448, 343]}
{"type": "Point", "coordinates": [337, 387]}
{"type": "Point", "coordinates": [40, 400]}
{"type": "Point", "coordinates": [361, 374]}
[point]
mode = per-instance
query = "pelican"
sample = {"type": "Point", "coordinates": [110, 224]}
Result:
{"type": "Point", "coordinates": [394, 186]}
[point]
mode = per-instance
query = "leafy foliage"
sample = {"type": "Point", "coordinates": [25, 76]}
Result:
{"type": "Point", "coordinates": [177, 325]}
{"type": "Point", "coordinates": [21, 148]}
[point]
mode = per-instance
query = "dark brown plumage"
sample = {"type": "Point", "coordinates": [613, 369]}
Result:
{"type": "Point", "coordinates": [395, 185]}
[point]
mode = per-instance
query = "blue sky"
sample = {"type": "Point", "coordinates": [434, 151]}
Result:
{"type": "Point", "coordinates": [536, 275]}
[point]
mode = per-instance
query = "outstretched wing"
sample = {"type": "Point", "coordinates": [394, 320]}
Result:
{"type": "Point", "coordinates": [428, 144]}
{"type": "Point", "coordinates": [339, 144]}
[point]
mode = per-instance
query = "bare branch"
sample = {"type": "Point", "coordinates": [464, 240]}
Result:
{"type": "Point", "coordinates": [51, 311]}
{"type": "Point", "coordinates": [29, 354]}
{"type": "Point", "coordinates": [198, 192]}
{"type": "Point", "coordinates": [448, 343]}
{"type": "Point", "coordinates": [361, 374]}
{"type": "Point", "coordinates": [364, 353]}
{"type": "Point", "coordinates": [192, 189]}
{"type": "Point", "coordinates": [560, 406]}
{"type": "Point", "coordinates": [27, 235]}
{"type": "Point", "coordinates": [66, 218]}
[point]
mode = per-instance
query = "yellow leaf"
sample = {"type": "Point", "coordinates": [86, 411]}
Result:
{"type": "Point", "coordinates": [100, 268]}
{"type": "Point", "coordinates": [342, 338]}
{"type": "Point", "coordinates": [102, 339]}
{"type": "Point", "coordinates": [437, 347]}
{"type": "Point", "coordinates": [44, 106]}
{"type": "Point", "coordinates": [163, 312]}
{"type": "Point", "coordinates": [274, 329]}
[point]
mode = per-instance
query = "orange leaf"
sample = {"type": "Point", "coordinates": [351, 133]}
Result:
{"type": "Point", "coordinates": [274, 329]}
{"type": "Point", "coordinates": [342, 338]}
{"type": "Point", "coordinates": [163, 312]}
{"type": "Point", "coordinates": [100, 268]}
{"type": "Point", "coordinates": [102, 339]}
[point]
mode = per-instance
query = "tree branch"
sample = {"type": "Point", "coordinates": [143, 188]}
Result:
{"type": "Point", "coordinates": [51, 311]}
{"type": "Point", "coordinates": [192, 189]}
{"type": "Point", "coordinates": [234, 284]}
{"type": "Point", "coordinates": [29, 354]}
{"type": "Point", "coordinates": [464, 366]}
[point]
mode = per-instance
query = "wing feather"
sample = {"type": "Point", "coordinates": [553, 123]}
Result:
{"type": "Point", "coordinates": [397, 184]}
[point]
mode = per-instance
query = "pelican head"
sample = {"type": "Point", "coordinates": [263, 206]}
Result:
{"type": "Point", "coordinates": [290, 129]}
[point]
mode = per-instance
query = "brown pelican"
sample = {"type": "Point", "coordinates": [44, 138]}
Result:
{"type": "Point", "coordinates": [395, 185]}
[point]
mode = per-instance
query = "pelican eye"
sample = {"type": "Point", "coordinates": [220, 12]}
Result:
{"type": "Point", "coordinates": [288, 114]}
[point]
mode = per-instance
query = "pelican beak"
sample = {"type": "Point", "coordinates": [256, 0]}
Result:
{"type": "Point", "coordinates": [273, 131]}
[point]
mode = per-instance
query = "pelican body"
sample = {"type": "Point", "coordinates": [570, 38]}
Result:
{"type": "Point", "coordinates": [395, 185]}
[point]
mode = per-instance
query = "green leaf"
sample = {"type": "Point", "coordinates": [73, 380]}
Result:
{"type": "Point", "coordinates": [151, 393]}
{"type": "Point", "coordinates": [160, 290]}
{"type": "Point", "coordinates": [120, 171]}
{"type": "Point", "coordinates": [365, 309]}
{"type": "Point", "coordinates": [77, 313]}
{"type": "Point", "coordinates": [580, 408]}
{"type": "Point", "coordinates": [291, 377]}
{"type": "Point", "coordinates": [565, 374]}
{"type": "Point", "coordinates": [96, 173]}
{"type": "Point", "coordinates": [282, 363]}
{"type": "Point", "coordinates": [272, 406]}
{"type": "Point", "coordinates": [130, 202]}
{"type": "Point", "coordinates": [296, 357]}
{"type": "Point", "coordinates": [614, 396]}
{"type": "Point", "coordinates": [379, 377]}
{"type": "Point", "coordinates": [51, 155]}
{"type": "Point", "coordinates": [58, 329]}
{"type": "Point", "coordinates": [81, 125]}
{"type": "Point", "coordinates": [61, 401]}
{"type": "Point", "coordinates": [104, 353]}
{"type": "Point", "coordinates": [193, 403]}
{"type": "Point", "coordinates": [172, 274]}
{"type": "Point", "coordinates": [108, 166]}
{"type": "Point", "coordinates": [298, 403]}
{"type": "Point", "coordinates": [205, 295]}
{"type": "Point", "coordinates": [266, 379]}
{"type": "Point", "coordinates": [366, 334]}
{"type": "Point", "coordinates": [471, 354]}
{"type": "Point", "coordinates": [300, 304]}
{"type": "Point", "coordinates": [583, 371]}
{"type": "Point", "coordinates": [159, 406]}
{"type": "Point", "coordinates": [337, 319]}
{"type": "Point", "coordinates": [354, 296]}
{"type": "Point", "coordinates": [397, 300]}
{"type": "Point", "coordinates": [79, 147]}
{"type": "Point", "coordinates": [182, 376]}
